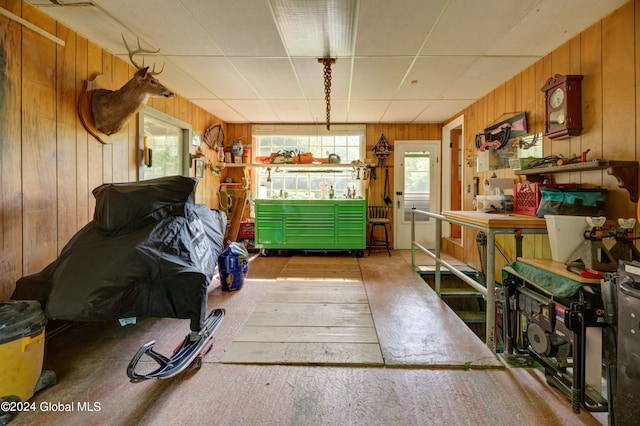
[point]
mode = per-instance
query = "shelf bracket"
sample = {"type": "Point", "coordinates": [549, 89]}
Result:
{"type": "Point", "coordinates": [627, 177]}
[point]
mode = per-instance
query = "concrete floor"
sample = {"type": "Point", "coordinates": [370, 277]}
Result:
{"type": "Point", "coordinates": [436, 372]}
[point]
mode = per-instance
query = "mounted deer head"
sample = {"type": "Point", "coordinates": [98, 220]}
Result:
{"type": "Point", "coordinates": [112, 109]}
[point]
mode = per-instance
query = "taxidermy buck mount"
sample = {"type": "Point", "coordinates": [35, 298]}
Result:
{"type": "Point", "coordinates": [108, 111]}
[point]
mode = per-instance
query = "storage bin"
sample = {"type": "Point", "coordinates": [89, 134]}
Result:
{"type": "Point", "coordinates": [572, 202]}
{"type": "Point", "coordinates": [21, 347]}
{"type": "Point", "coordinates": [247, 231]}
{"type": "Point", "coordinates": [527, 196]}
{"type": "Point", "coordinates": [488, 203]}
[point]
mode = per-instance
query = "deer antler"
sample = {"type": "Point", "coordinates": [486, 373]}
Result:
{"type": "Point", "coordinates": [132, 53]}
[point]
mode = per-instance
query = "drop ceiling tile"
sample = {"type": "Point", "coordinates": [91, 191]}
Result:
{"type": "Point", "coordinates": [254, 111]}
{"type": "Point", "coordinates": [546, 27]}
{"type": "Point", "coordinates": [296, 111]}
{"type": "Point", "coordinates": [239, 28]}
{"type": "Point", "coordinates": [271, 78]}
{"type": "Point", "coordinates": [221, 110]}
{"type": "Point", "coordinates": [394, 28]}
{"type": "Point", "coordinates": [367, 111]}
{"type": "Point", "coordinates": [430, 75]}
{"type": "Point", "coordinates": [441, 110]}
{"type": "Point", "coordinates": [218, 75]}
{"type": "Point", "coordinates": [167, 26]}
{"type": "Point", "coordinates": [484, 75]}
{"type": "Point", "coordinates": [471, 27]}
{"type": "Point", "coordinates": [174, 78]}
{"type": "Point", "coordinates": [92, 24]}
{"type": "Point", "coordinates": [378, 78]}
{"type": "Point", "coordinates": [404, 111]}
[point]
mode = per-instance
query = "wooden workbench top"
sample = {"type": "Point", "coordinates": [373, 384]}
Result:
{"type": "Point", "coordinates": [496, 220]}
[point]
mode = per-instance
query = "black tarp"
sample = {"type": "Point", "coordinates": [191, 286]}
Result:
{"type": "Point", "coordinates": [149, 251]}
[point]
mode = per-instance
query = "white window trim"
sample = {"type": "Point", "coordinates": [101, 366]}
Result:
{"type": "Point", "coordinates": [187, 131]}
{"type": "Point", "coordinates": [260, 130]}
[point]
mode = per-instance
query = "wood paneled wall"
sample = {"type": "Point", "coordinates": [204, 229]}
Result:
{"type": "Point", "coordinates": [48, 163]}
{"type": "Point", "coordinates": [607, 54]}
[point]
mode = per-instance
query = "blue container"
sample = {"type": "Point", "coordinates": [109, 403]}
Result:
{"type": "Point", "coordinates": [233, 266]}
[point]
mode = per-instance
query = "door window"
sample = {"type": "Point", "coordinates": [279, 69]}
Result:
{"type": "Point", "coordinates": [417, 183]}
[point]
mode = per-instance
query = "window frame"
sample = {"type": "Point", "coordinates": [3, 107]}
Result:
{"type": "Point", "coordinates": [309, 131]}
{"type": "Point", "coordinates": [186, 131]}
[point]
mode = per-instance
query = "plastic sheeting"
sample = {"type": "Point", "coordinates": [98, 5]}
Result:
{"type": "Point", "coordinates": [553, 284]}
{"type": "Point", "coordinates": [149, 251]}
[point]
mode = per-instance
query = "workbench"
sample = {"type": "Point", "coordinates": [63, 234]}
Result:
{"type": "Point", "coordinates": [338, 224]}
{"type": "Point", "coordinates": [491, 224]}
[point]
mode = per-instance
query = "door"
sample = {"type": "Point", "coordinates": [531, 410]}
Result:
{"type": "Point", "coordinates": [416, 184]}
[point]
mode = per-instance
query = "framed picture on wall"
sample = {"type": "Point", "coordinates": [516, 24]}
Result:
{"type": "Point", "coordinates": [199, 168]}
{"type": "Point", "coordinates": [196, 139]}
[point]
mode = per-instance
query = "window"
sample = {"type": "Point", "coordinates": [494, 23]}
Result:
{"type": "Point", "coordinates": [347, 142]}
{"type": "Point", "coordinates": [417, 183]}
{"type": "Point", "coordinates": [168, 139]}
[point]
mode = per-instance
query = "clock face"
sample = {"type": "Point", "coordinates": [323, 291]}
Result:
{"type": "Point", "coordinates": [556, 98]}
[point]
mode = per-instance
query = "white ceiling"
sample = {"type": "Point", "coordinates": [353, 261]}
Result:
{"type": "Point", "coordinates": [401, 61]}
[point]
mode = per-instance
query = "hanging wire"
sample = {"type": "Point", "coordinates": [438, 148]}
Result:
{"type": "Point", "coordinates": [327, 62]}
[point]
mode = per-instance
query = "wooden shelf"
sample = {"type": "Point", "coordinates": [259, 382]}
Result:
{"type": "Point", "coordinates": [626, 172]}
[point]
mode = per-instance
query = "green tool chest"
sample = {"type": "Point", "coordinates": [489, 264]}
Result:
{"type": "Point", "coordinates": [310, 224]}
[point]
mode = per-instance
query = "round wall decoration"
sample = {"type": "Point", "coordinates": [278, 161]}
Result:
{"type": "Point", "coordinates": [214, 136]}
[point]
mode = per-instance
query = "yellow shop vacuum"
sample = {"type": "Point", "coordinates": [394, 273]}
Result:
{"type": "Point", "coordinates": [21, 348]}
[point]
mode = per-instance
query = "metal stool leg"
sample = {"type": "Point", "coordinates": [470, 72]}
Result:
{"type": "Point", "coordinates": [371, 238]}
{"type": "Point", "coordinates": [386, 239]}
{"type": "Point", "coordinates": [379, 243]}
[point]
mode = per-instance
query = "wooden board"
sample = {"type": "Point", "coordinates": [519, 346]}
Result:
{"type": "Point", "coordinates": [360, 354]}
{"type": "Point", "coordinates": [322, 267]}
{"type": "Point", "coordinates": [296, 297]}
{"type": "Point", "coordinates": [490, 220]}
{"type": "Point", "coordinates": [293, 334]}
{"type": "Point", "coordinates": [310, 320]}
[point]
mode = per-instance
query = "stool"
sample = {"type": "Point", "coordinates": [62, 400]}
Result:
{"type": "Point", "coordinates": [379, 216]}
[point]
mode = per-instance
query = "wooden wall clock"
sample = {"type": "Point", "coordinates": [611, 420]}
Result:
{"type": "Point", "coordinates": [563, 106]}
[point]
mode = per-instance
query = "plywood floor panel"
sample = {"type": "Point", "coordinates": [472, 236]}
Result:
{"type": "Point", "coordinates": [318, 282]}
{"type": "Point", "coordinates": [318, 309]}
{"type": "Point", "coordinates": [415, 326]}
{"type": "Point", "coordinates": [325, 267]}
{"type": "Point", "coordinates": [357, 354]}
{"type": "Point", "coordinates": [302, 319]}
{"type": "Point", "coordinates": [260, 333]}
{"type": "Point", "coordinates": [280, 296]}
{"type": "Point", "coordinates": [310, 319]}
